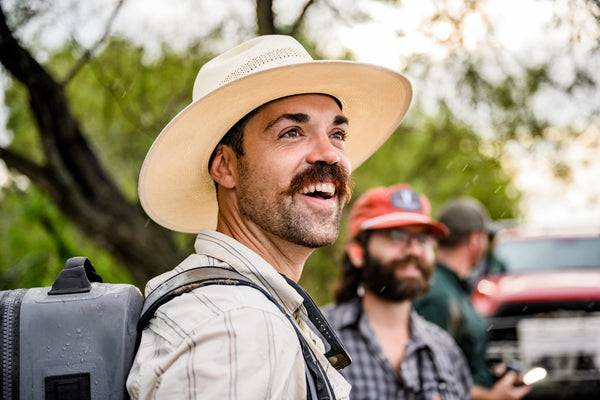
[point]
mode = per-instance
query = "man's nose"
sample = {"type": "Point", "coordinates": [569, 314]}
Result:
{"type": "Point", "coordinates": [324, 150]}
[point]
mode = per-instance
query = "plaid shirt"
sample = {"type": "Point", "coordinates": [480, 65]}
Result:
{"type": "Point", "coordinates": [433, 367]}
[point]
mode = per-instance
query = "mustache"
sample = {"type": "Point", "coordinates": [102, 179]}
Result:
{"type": "Point", "coordinates": [403, 262]}
{"type": "Point", "coordinates": [319, 172]}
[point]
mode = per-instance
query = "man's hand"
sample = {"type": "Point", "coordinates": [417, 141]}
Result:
{"type": "Point", "coordinates": [504, 389]}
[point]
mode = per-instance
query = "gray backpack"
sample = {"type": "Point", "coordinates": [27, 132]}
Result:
{"type": "Point", "coordinates": [73, 340]}
{"type": "Point", "coordinates": [76, 340]}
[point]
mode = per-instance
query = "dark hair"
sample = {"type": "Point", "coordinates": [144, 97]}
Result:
{"type": "Point", "coordinates": [453, 240]}
{"type": "Point", "coordinates": [234, 137]}
{"type": "Point", "coordinates": [350, 277]}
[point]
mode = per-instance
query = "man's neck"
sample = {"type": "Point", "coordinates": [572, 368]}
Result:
{"type": "Point", "coordinates": [285, 257]}
{"type": "Point", "coordinates": [456, 260]}
{"type": "Point", "coordinates": [386, 313]}
{"type": "Point", "coordinates": [390, 321]}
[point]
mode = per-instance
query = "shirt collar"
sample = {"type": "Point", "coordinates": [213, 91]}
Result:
{"type": "Point", "coordinates": [464, 284]}
{"type": "Point", "coordinates": [217, 249]}
{"type": "Point", "coordinates": [419, 332]}
{"type": "Point", "coordinates": [347, 314]}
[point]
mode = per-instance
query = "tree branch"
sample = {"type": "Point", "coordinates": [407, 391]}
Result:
{"type": "Point", "coordinates": [87, 55]}
{"type": "Point", "coordinates": [16, 59]}
{"type": "Point", "coordinates": [67, 151]}
{"type": "Point", "coordinates": [36, 173]}
{"type": "Point", "coordinates": [300, 19]}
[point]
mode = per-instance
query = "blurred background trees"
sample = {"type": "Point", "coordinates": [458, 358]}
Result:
{"type": "Point", "coordinates": [82, 114]}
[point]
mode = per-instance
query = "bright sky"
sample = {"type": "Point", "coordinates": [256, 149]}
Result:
{"type": "Point", "coordinates": [519, 26]}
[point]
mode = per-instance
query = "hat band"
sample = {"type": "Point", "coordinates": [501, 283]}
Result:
{"type": "Point", "coordinates": [403, 216]}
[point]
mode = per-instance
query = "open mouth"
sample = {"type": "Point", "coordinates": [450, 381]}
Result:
{"type": "Point", "coordinates": [323, 190]}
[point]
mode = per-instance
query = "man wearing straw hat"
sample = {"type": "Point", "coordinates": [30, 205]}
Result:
{"type": "Point", "coordinates": [258, 167]}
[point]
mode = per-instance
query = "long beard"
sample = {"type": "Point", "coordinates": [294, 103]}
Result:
{"type": "Point", "coordinates": [381, 279]}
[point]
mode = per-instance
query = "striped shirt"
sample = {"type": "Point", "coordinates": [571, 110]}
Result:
{"type": "Point", "coordinates": [433, 367]}
{"type": "Point", "coordinates": [226, 342]}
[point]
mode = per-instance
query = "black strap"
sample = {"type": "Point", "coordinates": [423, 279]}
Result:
{"type": "Point", "coordinates": [337, 354]}
{"type": "Point", "coordinates": [317, 383]}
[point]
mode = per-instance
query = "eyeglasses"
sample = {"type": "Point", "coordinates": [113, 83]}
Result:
{"type": "Point", "coordinates": [404, 238]}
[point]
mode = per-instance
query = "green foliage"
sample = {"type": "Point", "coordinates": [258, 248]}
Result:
{"type": "Point", "coordinates": [36, 240]}
{"type": "Point", "coordinates": [122, 100]}
{"type": "Point", "coordinates": [20, 121]}
{"type": "Point", "coordinates": [509, 100]}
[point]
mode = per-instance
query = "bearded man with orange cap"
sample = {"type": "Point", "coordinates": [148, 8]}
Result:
{"type": "Point", "coordinates": [388, 262]}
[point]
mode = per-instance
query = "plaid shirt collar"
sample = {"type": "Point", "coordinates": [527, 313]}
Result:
{"type": "Point", "coordinates": [350, 314]}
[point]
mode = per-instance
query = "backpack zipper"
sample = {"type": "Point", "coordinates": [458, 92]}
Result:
{"type": "Point", "coordinates": [10, 305]}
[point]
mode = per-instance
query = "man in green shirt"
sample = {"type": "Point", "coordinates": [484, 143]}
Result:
{"type": "Point", "coordinates": [448, 302]}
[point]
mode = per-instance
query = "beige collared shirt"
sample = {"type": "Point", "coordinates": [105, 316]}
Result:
{"type": "Point", "coordinates": [222, 342]}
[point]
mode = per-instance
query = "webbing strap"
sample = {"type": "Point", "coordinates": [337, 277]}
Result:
{"type": "Point", "coordinates": [317, 383]}
{"type": "Point", "coordinates": [337, 354]}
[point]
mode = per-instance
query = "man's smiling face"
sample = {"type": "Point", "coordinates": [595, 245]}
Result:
{"type": "Point", "coordinates": [294, 174]}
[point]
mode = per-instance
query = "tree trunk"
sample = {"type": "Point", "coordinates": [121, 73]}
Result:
{"type": "Point", "coordinates": [265, 19]}
{"type": "Point", "coordinates": [75, 180]}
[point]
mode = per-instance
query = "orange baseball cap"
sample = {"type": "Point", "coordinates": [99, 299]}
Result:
{"type": "Point", "coordinates": [391, 207]}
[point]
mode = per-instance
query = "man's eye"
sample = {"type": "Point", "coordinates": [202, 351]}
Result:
{"type": "Point", "coordinates": [341, 135]}
{"type": "Point", "coordinates": [291, 133]}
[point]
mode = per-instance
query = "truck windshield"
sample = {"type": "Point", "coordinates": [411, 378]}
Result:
{"type": "Point", "coordinates": [543, 254]}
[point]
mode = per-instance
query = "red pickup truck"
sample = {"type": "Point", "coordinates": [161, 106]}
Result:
{"type": "Point", "coordinates": [540, 293]}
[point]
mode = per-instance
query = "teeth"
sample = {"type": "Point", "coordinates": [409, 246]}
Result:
{"type": "Point", "coordinates": [324, 187]}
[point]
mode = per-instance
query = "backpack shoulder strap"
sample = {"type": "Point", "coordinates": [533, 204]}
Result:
{"type": "Point", "coordinates": [317, 383]}
{"type": "Point", "coordinates": [187, 281]}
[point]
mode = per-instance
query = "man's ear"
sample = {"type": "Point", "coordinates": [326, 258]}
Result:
{"type": "Point", "coordinates": [473, 240]}
{"type": "Point", "coordinates": [355, 253]}
{"type": "Point", "coordinates": [224, 167]}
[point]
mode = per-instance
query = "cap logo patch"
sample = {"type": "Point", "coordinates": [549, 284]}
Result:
{"type": "Point", "coordinates": [406, 199]}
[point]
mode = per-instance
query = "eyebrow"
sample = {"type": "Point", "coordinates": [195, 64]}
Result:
{"type": "Point", "coordinates": [340, 120]}
{"type": "Point", "coordinates": [303, 118]}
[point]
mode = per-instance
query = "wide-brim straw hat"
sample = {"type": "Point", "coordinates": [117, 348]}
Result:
{"type": "Point", "coordinates": [175, 187]}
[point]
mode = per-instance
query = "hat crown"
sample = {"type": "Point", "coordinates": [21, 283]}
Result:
{"type": "Point", "coordinates": [465, 214]}
{"type": "Point", "coordinates": [258, 54]}
{"type": "Point", "coordinates": [391, 207]}
{"type": "Point", "coordinates": [382, 201]}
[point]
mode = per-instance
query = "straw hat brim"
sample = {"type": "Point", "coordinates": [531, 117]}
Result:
{"type": "Point", "coordinates": [175, 187]}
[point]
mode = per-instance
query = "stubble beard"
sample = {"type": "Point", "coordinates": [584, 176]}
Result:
{"type": "Point", "coordinates": [283, 217]}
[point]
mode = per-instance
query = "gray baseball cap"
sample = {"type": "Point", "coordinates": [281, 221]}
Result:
{"type": "Point", "coordinates": [466, 214]}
